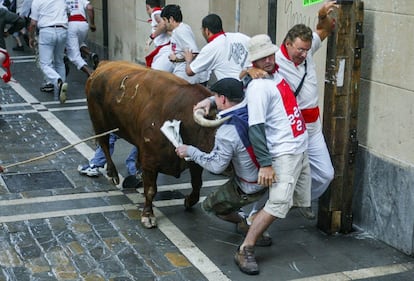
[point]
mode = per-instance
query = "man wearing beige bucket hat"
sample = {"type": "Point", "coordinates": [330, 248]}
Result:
{"type": "Point", "coordinates": [279, 138]}
{"type": "Point", "coordinates": [296, 65]}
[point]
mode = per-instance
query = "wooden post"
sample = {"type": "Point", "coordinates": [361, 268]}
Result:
{"type": "Point", "coordinates": [342, 83]}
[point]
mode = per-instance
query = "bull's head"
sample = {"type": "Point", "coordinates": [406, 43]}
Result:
{"type": "Point", "coordinates": [204, 122]}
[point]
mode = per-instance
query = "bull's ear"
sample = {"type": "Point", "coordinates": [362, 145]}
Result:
{"type": "Point", "coordinates": [204, 122]}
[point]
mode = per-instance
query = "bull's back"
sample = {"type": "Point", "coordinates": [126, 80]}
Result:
{"type": "Point", "coordinates": [138, 100]}
{"type": "Point", "coordinates": [112, 73]}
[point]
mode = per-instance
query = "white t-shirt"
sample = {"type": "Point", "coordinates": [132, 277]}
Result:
{"type": "Point", "coordinates": [271, 102]}
{"type": "Point", "coordinates": [308, 96]}
{"type": "Point", "coordinates": [225, 55]}
{"type": "Point", "coordinates": [49, 13]}
{"type": "Point", "coordinates": [77, 7]}
{"type": "Point", "coordinates": [162, 38]}
{"type": "Point", "coordinates": [182, 38]}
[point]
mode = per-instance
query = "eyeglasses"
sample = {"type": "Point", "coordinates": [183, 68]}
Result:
{"type": "Point", "coordinates": [300, 50]}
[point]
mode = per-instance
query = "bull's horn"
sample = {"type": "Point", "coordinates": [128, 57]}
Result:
{"type": "Point", "coordinates": [204, 122]}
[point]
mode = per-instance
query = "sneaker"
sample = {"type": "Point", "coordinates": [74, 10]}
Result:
{"type": "Point", "coordinates": [18, 48]}
{"type": "Point", "coordinates": [307, 213]}
{"type": "Point", "coordinates": [89, 170]}
{"type": "Point", "coordinates": [246, 260]}
{"type": "Point", "coordinates": [47, 88]}
{"type": "Point", "coordinates": [132, 181]}
{"type": "Point", "coordinates": [63, 87]}
{"type": "Point", "coordinates": [95, 60]}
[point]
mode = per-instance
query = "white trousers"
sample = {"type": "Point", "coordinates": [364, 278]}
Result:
{"type": "Point", "coordinates": [322, 171]}
{"type": "Point", "coordinates": [77, 34]}
{"type": "Point", "coordinates": [52, 41]}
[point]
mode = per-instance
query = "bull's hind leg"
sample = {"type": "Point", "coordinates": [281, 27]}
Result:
{"type": "Point", "coordinates": [110, 166]}
{"type": "Point", "coordinates": [196, 182]}
{"type": "Point", "coordinates": [148, 219]}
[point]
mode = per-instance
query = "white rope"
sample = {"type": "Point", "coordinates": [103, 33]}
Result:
{"type": "Point", "coordinates": [59, 150]}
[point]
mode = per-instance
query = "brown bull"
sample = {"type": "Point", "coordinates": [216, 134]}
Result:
{"type": "Point", "coordinates": [138, 100]}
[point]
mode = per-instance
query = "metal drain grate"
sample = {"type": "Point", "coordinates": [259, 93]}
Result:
{"type": "Point", "coordinates": [16, 183]}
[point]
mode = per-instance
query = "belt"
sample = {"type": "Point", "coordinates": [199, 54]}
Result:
{"type": "Point", "coordinates": [56, 26]}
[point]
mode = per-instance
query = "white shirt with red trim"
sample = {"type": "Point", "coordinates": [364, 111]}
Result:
{"type": "Point", "coordinates": [182, 38]}
{"type": "Point", "coordinates": [77, 7]}
{"type": "Point", "coordinates": [162, 38]}
{"type": "Point", "coordinates": [308, 96]}
{"type": "Point", "coordinates": [271, 102]}
{"type": "Point", "coordinates": [225, 55]}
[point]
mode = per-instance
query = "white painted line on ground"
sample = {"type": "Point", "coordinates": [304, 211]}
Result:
{"type": "Point", "coordinates": [15, 105]}
{"type": "Point", "coordinates": [74, 212]}
{"type": "Point", "coordinates": [68, 108]}
{"type": "Point", "coordinates": [55, 198]}
{"type": "Point", "coordinates": [18, 112]}
{"type": "Point", "coordinates": [362, 273]}
{"type": "Point", "coordinates": [67, 102]}
{"type": "Point", "coordinates": [189, 249]}
{"type": "Point", "coordinates": [24, 61]}
{"type": "Point", "coordinates": [22, 57]}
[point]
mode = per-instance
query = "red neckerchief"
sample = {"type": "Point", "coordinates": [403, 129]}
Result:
{"type": "Point", "coordinates": [285, 53]}
{"type": "Point", "coordinates": [154, 10]}
{"type": "Point", "coordinates": [6, 64]}
{"type": "Point", "coordinates": [211, 38]}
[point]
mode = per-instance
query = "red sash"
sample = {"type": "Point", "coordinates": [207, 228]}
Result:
{"type": "Point", "coordinates": [149, 59]}
{"type": "Point", "coordinates": [77, 18]}
{"type": "Point", "coordinates": [6, 64]}
{"type": "Point", "coordinates": [310, 114]}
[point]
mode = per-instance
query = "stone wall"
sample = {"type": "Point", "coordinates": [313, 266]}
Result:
{"type": "Point", "coordinates": [384, 193]}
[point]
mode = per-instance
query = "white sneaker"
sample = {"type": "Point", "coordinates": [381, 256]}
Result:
{"type": "Point", "coordinates": [63, 88]}
{"type": "Point", "coordinates": [89, 170]}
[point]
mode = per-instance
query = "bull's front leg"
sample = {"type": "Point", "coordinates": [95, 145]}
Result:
{"type": "Point", "coordinates": [196, 182]}
{"type": "Point", "coordinates": [148, 219]}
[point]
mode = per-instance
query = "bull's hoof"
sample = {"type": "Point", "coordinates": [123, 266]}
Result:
{"type": "Point", "coordinates": [149, 222]}
{"type": "Point", "coordinates": [189, 202]}
{"type": "Point", "coordinates": [115, 180]}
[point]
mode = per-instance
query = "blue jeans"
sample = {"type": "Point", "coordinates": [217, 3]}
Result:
{"type": "Point", "coordinates": [99, 159]}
